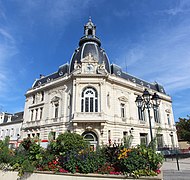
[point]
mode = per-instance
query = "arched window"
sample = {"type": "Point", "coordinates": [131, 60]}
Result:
{"type": "Point", "coordinates": [89, 100]}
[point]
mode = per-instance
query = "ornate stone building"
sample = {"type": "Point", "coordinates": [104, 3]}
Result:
{"type": "Point", "coordinates": [95, 99]}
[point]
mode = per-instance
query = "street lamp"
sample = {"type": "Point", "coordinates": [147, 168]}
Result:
{"type": "Point", "coordinates": [147, 101]}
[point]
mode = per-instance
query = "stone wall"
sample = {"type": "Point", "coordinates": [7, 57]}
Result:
{"type": "Point", "coordinates": [6, 175]}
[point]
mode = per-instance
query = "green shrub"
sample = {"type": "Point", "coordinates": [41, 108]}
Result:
{"type": "Point", "coordinates": [6, 154]}
{"type": "Point", "coordinates": [67, 142]}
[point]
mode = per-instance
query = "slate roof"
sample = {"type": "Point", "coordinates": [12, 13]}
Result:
{"type": "Point", "coordinates": [17, 117]}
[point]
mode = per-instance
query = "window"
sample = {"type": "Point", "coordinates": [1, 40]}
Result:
{"type": "Point", "coordinates": [52, 135]}
{"type": "Point", "coordinates": [89, 100]}
{"type": "Point", "coordinates": [56, 110]}
{"type": "Point", "coordinates": [38, 135]}
{"type": "Point", "coordinates": [32, 114]}
{"type": "Point", "coordinates": [141, 114]}
{"type": "Point", "coordinates": [172, 139]}
{"type": "Point", "coordinates": [156, 114]}
{"type": "Point", "coordinates": [41, 112]}
{"type": "Point", "coordinates": [125, 134]}
{"type": "Point", "coordinates": [42, 95]}
{"type": "Point", "coordinates": [33, 99]}
{"type": "Point", "coordinates": [159, 138]}
{"type": "Point", "coordinates": [108, 100]}
{"type": "Point", "coordinates": [143, 139]}
{"type": "Point", "coordinates": [36, 114]}
{"type": "Point", "coordinates": [109, 137]}
{"type": "Point", "coordinates": [122, 110]}
{"type": "Point", "coordinates": [12, 132]}
{"type": "Point", "coordinates": [168, 118]}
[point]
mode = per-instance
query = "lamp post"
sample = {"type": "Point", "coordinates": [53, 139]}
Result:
{"type": "Point", "coordinates": [148, 101]}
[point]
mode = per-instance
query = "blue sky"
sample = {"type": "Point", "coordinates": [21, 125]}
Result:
{"type": "Point", "coordinates": [151, 37]}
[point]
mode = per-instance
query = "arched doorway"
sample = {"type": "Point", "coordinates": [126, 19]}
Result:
{"type": "Point", "coordinates": [92, 138]}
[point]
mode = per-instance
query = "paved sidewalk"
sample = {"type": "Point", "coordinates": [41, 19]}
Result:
{"type": "Point", "coordinates": [170, 170]}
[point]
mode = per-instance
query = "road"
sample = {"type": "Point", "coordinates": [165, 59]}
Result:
{"type": "Point", "coordinates": [170, 170]}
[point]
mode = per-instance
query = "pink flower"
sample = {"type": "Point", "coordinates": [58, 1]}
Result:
{"type": "Point", "coordinates": [63, 170]}
{"type": "Point", "coordinates": [158, 171]}
{"type": "Point", "coordinates": [115, 173]}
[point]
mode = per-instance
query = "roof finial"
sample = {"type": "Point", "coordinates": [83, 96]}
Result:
{"type": "Point", "coordinates": [90, 19]}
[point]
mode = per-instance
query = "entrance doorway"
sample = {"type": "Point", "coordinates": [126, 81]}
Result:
{"type": "Point", "coordinates": [92, 138]}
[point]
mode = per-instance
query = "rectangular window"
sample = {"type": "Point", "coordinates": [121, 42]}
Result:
{"type": "Point", "coordinates": [91, 104]}
{"type": "Point", "coordinates": [125, 134]}
{"type": "Point", "coordinates": [108, 100]}
{"type": "Point", "coordinates": [33, 99]}
{"type": "Point", "coordinates": [41, 112]}
{"type": "Point", "coordinates": [56, 110]}
{"type": "Point", "coordinates": [42, 95]}
{"type": "Point", "coordinates": [32, 114]}
{"type": "Point", "coordinates": [141, 114]}
{"type": "Point", "coordinates": [54, 135]}
{"type": "Point", "coordinates": [12, 132]}
{"type": "Point", "coordinates": [96, 105]}
{"type": "Point", "coordinates": [168, 118]}
{"type": "Point", "coordinates": [36, 114]}
{"type": "Point", "coordinates": [122, 110]}
{"type": "Point", "coordinates": [172, 140]}
{"type": "Point", "coordinates": [86, 104]}
{"type": "Point", "coordinates": [109, 137]}
{"type": "Point", "coordinates": [82, 105]}
{"type": "Point", "coordinates": [143, 139]}
{"type": "Point", "coordinates": [156, 114]}
{"type": "Point", "coordinates": [38, 135]}
{"type": "Point", "coordinates": [159, 138]}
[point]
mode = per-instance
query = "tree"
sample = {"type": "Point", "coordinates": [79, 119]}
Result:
{"type": "Point", "coordinates": [183, 129]}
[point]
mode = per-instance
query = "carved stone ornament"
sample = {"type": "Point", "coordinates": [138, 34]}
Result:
{"type": "Point", "coordinates": [89, 59]}
{"type": "Point", "coordinates": [101, 69]}
{"type": "Point", "coordinates": [88, 126]}
{"type": "Point", "coordinates": [168, 110]}
{"type": "Point", "coordinates": [55, 99]}
{"type": "Point", "coordinates": [77, 65]}
{"type": "Point", "coordinates": [123, 98]}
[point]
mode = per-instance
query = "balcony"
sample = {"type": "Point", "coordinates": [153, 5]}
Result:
{"type": "Point", "coordinates": [89, 117]}
{"type": "Point", "coordinates": [30, 124]}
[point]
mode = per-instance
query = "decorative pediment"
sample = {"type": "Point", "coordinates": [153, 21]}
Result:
{"type": "Point", "coordinates": [55, 99]}
{"type": "Point", "coordinates": [123, 98]}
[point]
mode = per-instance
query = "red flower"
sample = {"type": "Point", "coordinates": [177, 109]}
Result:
{"type": "Point", "coordinates": [158, 171]}
{"type": "Point", "coordinates": [55, 162]}
{"type": "Point", "coordinates": [63, 170]}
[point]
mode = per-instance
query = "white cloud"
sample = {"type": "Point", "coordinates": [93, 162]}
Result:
{"type": "Point", "coordinates": [163, 56]}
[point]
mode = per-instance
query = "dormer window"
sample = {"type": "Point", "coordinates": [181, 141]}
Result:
{"type": "Point", "coordinates": [90, 32]}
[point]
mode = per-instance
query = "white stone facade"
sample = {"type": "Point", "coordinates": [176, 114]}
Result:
{"type": "Point", "coordinates": [96, 103]}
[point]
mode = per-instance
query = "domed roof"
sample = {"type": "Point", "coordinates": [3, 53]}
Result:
{"type": "Point", "coordinates": [89, 43]}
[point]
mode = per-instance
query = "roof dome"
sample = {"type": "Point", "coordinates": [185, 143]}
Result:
{"type": "Point", "coordinates": [89, 43]}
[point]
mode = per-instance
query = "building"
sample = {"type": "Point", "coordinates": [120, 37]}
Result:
{"type": "Point", "coordinates": [10, 125]}
{"type": "Point", "coordinates": [95, 99]}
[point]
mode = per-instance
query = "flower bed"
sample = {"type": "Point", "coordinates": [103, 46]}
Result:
{"type": "Point", "coordinates": [71, 154]}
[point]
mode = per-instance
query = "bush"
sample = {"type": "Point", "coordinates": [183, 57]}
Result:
{"type": "Point", "coordinates": [139, 158]}
{"type": "Point", "coordinates": [6, 154]}
{"type": "Point", "coordinates": [67, 142]}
